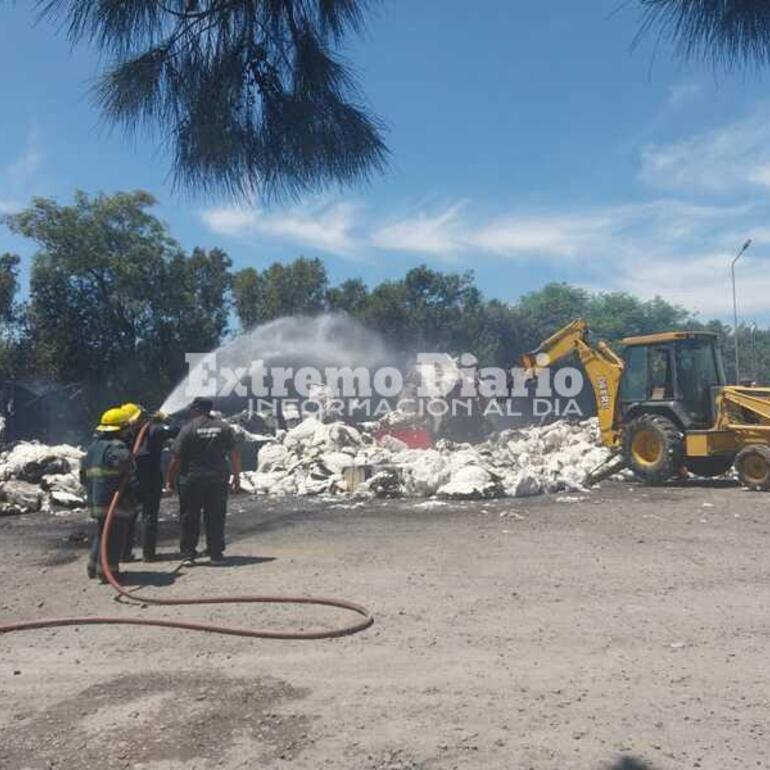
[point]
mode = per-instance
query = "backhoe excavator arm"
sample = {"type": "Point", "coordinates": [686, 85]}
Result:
{"type": "Point", "coordinates": [602, 366]}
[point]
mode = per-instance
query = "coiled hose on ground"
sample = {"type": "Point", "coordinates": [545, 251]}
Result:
{"type": "Point", "coordinates": [352, 628]}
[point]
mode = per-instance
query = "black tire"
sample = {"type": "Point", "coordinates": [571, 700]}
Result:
{"type": "Point", "coordinates": [753, 467]}
{"type": "Point", "coordinates": [708, 467]}
{"type": "Point", "coordinates": [654, 448]}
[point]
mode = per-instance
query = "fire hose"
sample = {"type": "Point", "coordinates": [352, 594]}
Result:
{"type": "Point", "coordinates": [185, 625]}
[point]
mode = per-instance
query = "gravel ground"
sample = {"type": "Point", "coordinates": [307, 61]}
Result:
{"type": "Point", "coordinates": [627, 628]}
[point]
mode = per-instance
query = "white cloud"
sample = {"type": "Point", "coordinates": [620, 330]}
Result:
{"type": "Point", "coordinates": [559, 237]}
{"type": "Point", "coordinates": [20, 177]}
{"type": "Point", "coordinates": [668, 247]}
{"type": "Point", "coordinates": [681, 94]}
{"type": "Point", "coordinates": [673, 245]}
{"type": "Point", "coordinates": [21, 171]}
{"type": "Point", "coordinates": [758, 235]}
{"type": "Point", "coordinates": [701, 282]}
{"type": "Point", "coordinates": [423, 233]}
{"type": "Point", "coordinates": [554, 235]}
{"type": "Point", "coordinates": [319, 226]}
{"type": "Point", "coordinates": [24, 168]}
{"type": "Point", "coordinates": [230, 221]}
{"type": "Point", "coordinates": [760, 175]}
{"type": "Point", "coordinates": [720, 161]}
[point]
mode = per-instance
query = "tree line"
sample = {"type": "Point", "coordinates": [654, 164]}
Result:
{"type": "Point", "coordinates": [114, 303]}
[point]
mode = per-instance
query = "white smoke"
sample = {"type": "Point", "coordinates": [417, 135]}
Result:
{"type": "Point", "coordinates": [321, 341]}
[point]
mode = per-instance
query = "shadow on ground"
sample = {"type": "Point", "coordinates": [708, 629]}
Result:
{"type": "Point", "coordinates": [628, 763]}
{"type": "Point", "coordinates": [245, 561]}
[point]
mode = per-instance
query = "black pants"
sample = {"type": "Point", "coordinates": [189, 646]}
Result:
{"type": "Point", "coordinates": [209, 496]}
{"type": "Point", "coordinates": [115, 545]}
{"type": "Point", "coordinates": [150, 491]}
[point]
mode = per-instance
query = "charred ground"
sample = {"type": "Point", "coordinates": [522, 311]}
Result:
{"type": "Point", "coordinates": [625, 627]}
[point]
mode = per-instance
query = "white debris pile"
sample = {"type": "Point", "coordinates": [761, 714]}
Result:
{"type": "Point", "coordinates": [38, 477]}
{"type": "Point", "coordinates": [328, 458]}
{"type": "Point", "coordinates": [311, 458]}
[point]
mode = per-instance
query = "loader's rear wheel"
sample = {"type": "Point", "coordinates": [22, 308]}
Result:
{"type": "Point", "coordinates": [753, 466]}
{"type": "Point", "coordinates": [708, 467]}
{"type": "Point", "coordinates": [653, 448]}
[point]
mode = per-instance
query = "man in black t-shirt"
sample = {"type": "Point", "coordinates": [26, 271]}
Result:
{"type": "Point", "coordinates": [201, 454]}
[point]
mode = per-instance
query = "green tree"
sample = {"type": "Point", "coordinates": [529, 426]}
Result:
{"type": "Point", "coordinates": [425, 311]}
{"type": "Point", "coordinates": [723, 32]}
{"type": "Point", "coordinates": [386, 311]}
{"type": "Point", "coordinates": [297, 288]}
{"type": "Point", "coordinates": [435, 304]}
{"type": "Point", "coordinates": [114, 301]}
{"type": "Point", "coordinates": [9, 286]}
{"type": "Point", "coordinates": [250, 95]}
{"type": "Point", "coordinates": [12, 347]}
{"type": "Point", "coordinates": [610, 315]}
{"type": "Point", "coordinates": [661, 315]}
{"type": "Point", "coordinates": [542, 312]}
{"type": "Point", "coordinates": [493, 332]}
{"type": "Point", "coordinates": [207, 283]}
{"type": "Point", "coordinates": [350, 296]}
{"type": "Point", "coordinates": [614, 315]}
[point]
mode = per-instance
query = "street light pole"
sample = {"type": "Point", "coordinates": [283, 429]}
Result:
{"type": "Point", "coordinates": [743, 250]}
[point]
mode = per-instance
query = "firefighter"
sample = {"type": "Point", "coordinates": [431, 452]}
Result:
{"type": "Point", "coordinates": [149, 477]}
{"type": "Point", "coordinates": [108, 464]}
{"type": "Point", "coordinates": [200, 464]}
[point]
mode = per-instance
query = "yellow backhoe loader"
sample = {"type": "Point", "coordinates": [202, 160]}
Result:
{"type": "Point", "coordinates": [664, 406]}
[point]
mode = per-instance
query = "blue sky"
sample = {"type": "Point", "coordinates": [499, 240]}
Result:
{"type": "Point", "coordinates": [530, 142]}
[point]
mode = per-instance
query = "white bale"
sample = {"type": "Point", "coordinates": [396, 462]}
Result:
{"type": "Point", "coordinates": [67, 500]}
{"type": "Point", "coordinates": [18, 497]}
{"type": "Point", "coordinates": [392, 444]}
{"type": "Point", "coordinates": [32, 460]}
{"type": "Point", "coordinates": [302, 432]}
{"type": "Point", "coordinates": [525, 484]}
{"type": "Point", "coordinates": [272, 457]}
{"type": "Point", "coordinates": [423, 471]}
{"type": "Point", "coordinates": [311, 457]}
{"type": "Point", "coordinates": [336, 435]}
{"type": "Point", "coordinates": [462, 457]}
{"type": "Point", "coordinates": [63, 482]}
{"type": "Point", "coordinates": [470, 482]}
{"type": "Point", "coordinates": [336, 462]}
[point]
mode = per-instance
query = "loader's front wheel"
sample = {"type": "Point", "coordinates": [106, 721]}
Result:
{"type": "Point", "coordinates": [753, 466]}
{"type": "Point", "coordinates": [653, 448]}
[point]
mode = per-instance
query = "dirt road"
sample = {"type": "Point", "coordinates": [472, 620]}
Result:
{"type": "Point", "coordinates": [627, 628]}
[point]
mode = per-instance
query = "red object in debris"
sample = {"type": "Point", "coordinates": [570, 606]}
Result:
{"type": "Point", "coordinates": [414, 438]}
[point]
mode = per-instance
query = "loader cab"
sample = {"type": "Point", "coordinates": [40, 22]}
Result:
{"type": "Point", "coordinates": [677, 374]}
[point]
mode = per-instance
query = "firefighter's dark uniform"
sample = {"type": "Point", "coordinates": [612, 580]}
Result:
{"type": "Point", "coordinates": [107, 461]}
{"type": "Point", "coordinates": [149, 477]}
{"type": "Point", "coordinates": [203, 447]}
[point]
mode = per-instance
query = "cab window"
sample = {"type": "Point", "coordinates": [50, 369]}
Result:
{"type": "Point", "coordinates": [661, 383]}
{"type": "Point", "coordinates": [635, 375]}
{"type": "Point", "coordinates": [647, 375]}
{"type": "Point", "coordinates": [698, 371]}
